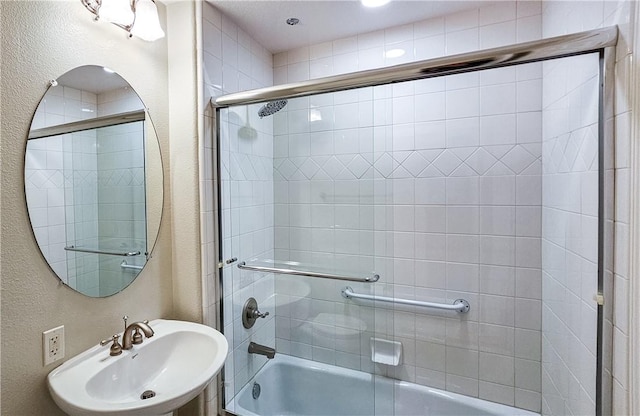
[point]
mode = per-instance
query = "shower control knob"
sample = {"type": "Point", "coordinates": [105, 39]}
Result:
{"type": "Point", "coordinates": [258, 314]}
{"type": "Point", "coordinates": [250, 313]}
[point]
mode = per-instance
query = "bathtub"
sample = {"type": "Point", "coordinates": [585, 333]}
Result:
{"type": "Point", "coordinates": [295, 386]}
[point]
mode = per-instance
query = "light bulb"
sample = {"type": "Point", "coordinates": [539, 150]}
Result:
{"type": "Point", "coordinates": [147, 24]}
{"type": "Point", "coordinates": [116, 11]}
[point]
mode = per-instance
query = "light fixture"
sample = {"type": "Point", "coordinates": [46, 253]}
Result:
{"type": "Point", "coordinates": [146, 25]}
{"type": "Point", "coordinates": [138, 17]}
{"type": "Point", "coordinates": [374, 3]}
{"type": "Point", "coordinates": [116, 11]}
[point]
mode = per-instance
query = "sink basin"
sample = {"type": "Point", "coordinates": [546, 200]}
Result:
{"type": "Point", "coordinates": [176, 364]}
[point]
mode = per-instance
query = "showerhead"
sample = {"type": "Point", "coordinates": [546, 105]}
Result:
{"type": "Point", "coordinates": [271, 107]}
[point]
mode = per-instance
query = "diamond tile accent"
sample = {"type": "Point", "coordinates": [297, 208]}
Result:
{"type": "Point", "coordinates": [368, 157]}
{"type": "Point", "coordinates": [36, 179]}
{"type": "Point", "coordinates": [234, 169]}
{"type": "Point", "coordinates": [358, 166]}
{"type": "Point", "coordinates": [431, 155]}
{"type": "Point", "coordinates": [498, 151]}
{"type": "Point", "coordinates": [298, 161]}
{"type": "Point", "coordinates": [557, 154]}
{"type": "Point", "coordinates": [333, 167]}
{"type": "Point", "coordinates": [518, 159]}
{"type": "Point", "coordinates": [384, 165]}
{"type": "Point", "coordinates": [400, 157]}
{"type": "Point", "coordinates": [56, 179]}
{"type": "Point", "coordinates": [286, 169]}
{"type": "Point", "coordinates": [247, 168]}
{"type": "Point", "coordinates": [573, 145]}
{"type": "Point", "coordinates": [345, 174]}
{"type": "Point", "coordinates": [430, 172]}
{"type": "Point", "coordinates": [458, 162]}
{"type": "Point", "coordinates": [463, 152]}
{"type": "Point", "coordinates": [535, 168]}
{"type": "Point", "coordinates": [415, 164]}
{"type": "Point", "coordinates": [480, 161]}
{"type": "Point", "coordinates": [127, 178]}
{"type": "Point", "coordinates": [534, 148]}
{"type": "Point", "coordinates": [589, 149]}
{"type": "Point", "coordinates": [345, 159]}
{"type": "Point", "coordinates": [309, 168]}
{"type": "Point", "coordinates": [499, 169]}
{"type": "Point", "coordinates": [401, 173]}
{"type": "Point", "coordinates": [321, 176]}
{"type": "Point", "coordinates": [447, 162]}
{"type": "Point", "coordinates": [463, 171]}
{"type": "Point", "coordinates": [298, 176]}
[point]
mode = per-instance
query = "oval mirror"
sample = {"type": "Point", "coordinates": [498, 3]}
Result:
{"type": "Point", "coordinates": [93, 181]}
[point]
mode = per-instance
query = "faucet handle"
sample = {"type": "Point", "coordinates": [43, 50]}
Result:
{"type": "Point", "coordinates": [250, 313]}
{"type": "Point", "coordinates": [116, 348]}
{"type": "Point", "coordinates": [137, 336]}
{"type": "Point", "coordinates": [257, 314]}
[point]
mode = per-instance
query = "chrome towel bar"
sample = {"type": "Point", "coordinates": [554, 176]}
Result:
{"type": "Point", "coordinates": [124, 265]}
{"type": "Point", "coordinates": [244, 266]}
{"type": "Point", "coordinates": [459, 305]}
{"type": "Point", "coordinates": [107, 252]}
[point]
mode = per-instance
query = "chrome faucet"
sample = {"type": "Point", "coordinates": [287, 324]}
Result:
{"type": "Point", "coordinates": [262, 350]}
{"type": "Point", "coordinates": [132, 334]}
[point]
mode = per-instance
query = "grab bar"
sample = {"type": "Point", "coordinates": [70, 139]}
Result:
{"type": "Point", "coordinates": [124, 265]}
{"type": "Point", "coordinates": [107, 252]}
{"type": "Point", "coordinates": [459, 305]}
{"type": "Point", "coordinates": [244, 266]}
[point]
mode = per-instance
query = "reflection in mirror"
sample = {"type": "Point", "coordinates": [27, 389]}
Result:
{"type": "Point", "coordinates": [86, 167]}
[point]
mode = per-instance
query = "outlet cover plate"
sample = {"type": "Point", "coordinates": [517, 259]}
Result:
{"type": "Point", "coordinates": [53, 345]}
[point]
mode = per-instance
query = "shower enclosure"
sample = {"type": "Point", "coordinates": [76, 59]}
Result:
{"type": "Point", "coordinates": [443, 223]}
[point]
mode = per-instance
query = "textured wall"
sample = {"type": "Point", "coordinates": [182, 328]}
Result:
{"type": "Point", "coordinates": [41, 41]}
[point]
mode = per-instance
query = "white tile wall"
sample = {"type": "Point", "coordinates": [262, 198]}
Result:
{"type": "Point", "coordinates": [506, 23]}
{"type": "Point", "coordinates": [121, 202]}
{"type": "Point", "coordinates": [232, 62]}
{"type": "Point", "coordinates": [568, 259]}
{"type": "Point", "coordinates": [382, 170]}
{"type": "Point", "coordinates": [435, 184]}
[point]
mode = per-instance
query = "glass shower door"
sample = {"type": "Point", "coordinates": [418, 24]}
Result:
{"type": "Point", "coordinates": [300, 208]}
{"type": "Point", "coordinates": [484, 186]}
{"type": "Point", "coordinates": [246, 190]}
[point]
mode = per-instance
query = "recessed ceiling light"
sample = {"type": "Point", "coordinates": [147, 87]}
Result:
{"type": "Point", "coordinates": [374, 3]}
{"type": "Point", "coordinates": [394, 53]}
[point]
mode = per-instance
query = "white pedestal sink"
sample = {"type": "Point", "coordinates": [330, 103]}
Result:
{"type": "Point", "coordinates": [176, 364]}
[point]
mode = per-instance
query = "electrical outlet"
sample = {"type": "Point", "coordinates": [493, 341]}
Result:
{"type": "Point", "coordinates": [53, 345]}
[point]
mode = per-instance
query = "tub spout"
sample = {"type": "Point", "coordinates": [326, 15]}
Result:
{"type": "Point", "coordinates": [262, 350]}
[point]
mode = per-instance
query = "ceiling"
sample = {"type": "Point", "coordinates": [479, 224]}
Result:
{"type": "Point", "coordinates": [321, 21]}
